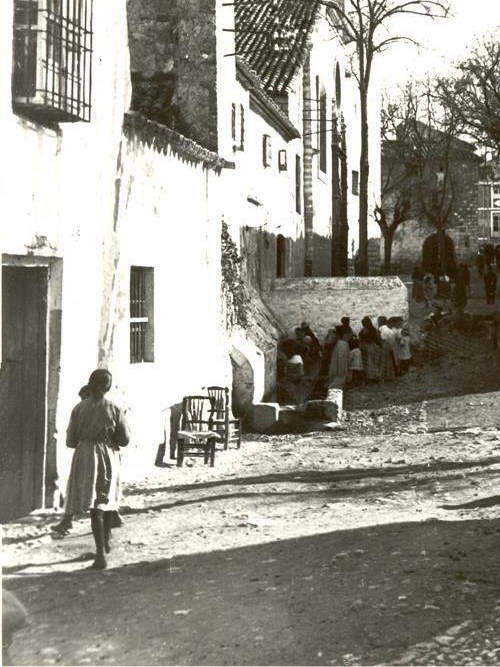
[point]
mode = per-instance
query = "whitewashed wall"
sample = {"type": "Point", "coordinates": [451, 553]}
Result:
{"type": "Point", "coordinates": [164, 223]}
{"type": "Point", "coordinates": [105, 202]}
{"type": "Point", "coordinates": [59, 184]}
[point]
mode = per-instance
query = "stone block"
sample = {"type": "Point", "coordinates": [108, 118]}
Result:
{"type": "Point", "coordinates": [326, 409]}
{"type": "Point", "coordinates": [335, 397]}
{"type": "Point", "coordinates": [291, 416]}
{"type": "Point", "coordinates": [265, 416]}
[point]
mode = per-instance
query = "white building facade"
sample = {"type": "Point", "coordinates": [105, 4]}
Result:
{"type": "Point", "coordinates": [110, 251]}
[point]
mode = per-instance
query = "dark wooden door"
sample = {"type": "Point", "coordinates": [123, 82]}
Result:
{"type": "Point", "coordinates": [22, 390]}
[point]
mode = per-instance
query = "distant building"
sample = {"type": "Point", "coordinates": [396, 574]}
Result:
{"type": "Point", "coordinates": [489, 203]}
{"type": "Point", "coordinates": [435, 181]}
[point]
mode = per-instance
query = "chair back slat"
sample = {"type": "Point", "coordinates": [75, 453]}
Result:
{"type": "Point", "coordinates": [196, 413]}
{"type": "Point", "coordinates": [220, 397]}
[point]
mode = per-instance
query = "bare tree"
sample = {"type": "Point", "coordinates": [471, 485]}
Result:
{"type": "Point", "coordinates": [424, 161]}
{"type": "Point", "coordinates": [397, 184]}
{"type": "Point", "coordinates": [367, 23]}
{"type": "Point", "coordinates": [472, 93]}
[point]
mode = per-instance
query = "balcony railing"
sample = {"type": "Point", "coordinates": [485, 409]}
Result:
{"type": "Point", "coordinates": [52, 76]}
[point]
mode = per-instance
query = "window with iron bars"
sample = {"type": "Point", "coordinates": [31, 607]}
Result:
{"type": "Point", "coordinates": [141, 314]}
{"type": "Point", "coordinates": [52, 73]}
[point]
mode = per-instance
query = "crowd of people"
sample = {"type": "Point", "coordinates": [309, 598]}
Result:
{"type": "Point", "coordinates": [374, 354]}
{"type": "Point", "coordinates": [449, 288]}
{"type": "Point", "coordinates": [453, 287]}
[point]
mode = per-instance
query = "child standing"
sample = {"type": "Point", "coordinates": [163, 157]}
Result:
{"type": "Point", "coordinates": [404, 350]}
{"type": "Point", "coordinates": [356, 362]}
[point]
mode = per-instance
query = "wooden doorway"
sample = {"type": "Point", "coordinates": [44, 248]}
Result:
{"type": "Point", "coordinates": [23, 379]}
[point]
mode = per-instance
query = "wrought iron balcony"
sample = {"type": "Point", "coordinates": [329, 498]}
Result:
{"type": "Point", "coordinates": [52, 74]}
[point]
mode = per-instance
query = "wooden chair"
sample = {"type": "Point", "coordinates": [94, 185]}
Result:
{"type": "Point", "coordinates": [226, 425]}
{"type": "Point", "coordinates": [196, 437]}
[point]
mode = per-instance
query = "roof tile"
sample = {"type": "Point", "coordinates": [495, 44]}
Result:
{"type": "Point", "coordinates": [271, 36]}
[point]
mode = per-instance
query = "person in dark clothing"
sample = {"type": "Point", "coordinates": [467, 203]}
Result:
{"type": "Point", "coordinates": [489, 253]}
{"type": "Point", "coordinates": [460, 291]}
{"type": "Point", "coordinates": [490, 285]}
{"type": "Point", "coordinates": [345, 327]}
{"type": "Point", "coordinates": [480, 262]}
{"type": "Point", "coordinates": [315, 344]}
{"type": "Point", "coordinates": [466, 277]}
{"type": "Point", "coordinates": [497, 256]}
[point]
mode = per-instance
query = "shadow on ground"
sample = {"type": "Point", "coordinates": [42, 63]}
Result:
{"type": "Point", "coordinates": [348, 597]}
{"type": "Point", "coordinates": [331, 485]}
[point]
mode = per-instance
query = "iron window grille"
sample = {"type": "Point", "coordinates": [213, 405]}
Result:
{"type": "Point", "coordinates": [52, 74]}
{"type": "Point", "coordinates": [141, 314]}
{"type": "Point", "coordinates": [282, 160]}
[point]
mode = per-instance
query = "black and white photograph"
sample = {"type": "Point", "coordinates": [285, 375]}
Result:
{"type": "Point", "coordinates": [250, 332]}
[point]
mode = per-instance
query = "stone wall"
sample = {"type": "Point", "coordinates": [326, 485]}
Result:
{"type": "Point", "coordinates": [462, 226]}
{"type": "Point", "coordinates": [323, 301]}
{"type": "Point", "coordinates": [173, 65]}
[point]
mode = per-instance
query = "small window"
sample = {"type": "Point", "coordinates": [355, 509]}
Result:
{"type": "Point", "coordinates": [266, 150]}
{"type": "Point", "coordinates": [495, 196]}
{"type": "Point", "coordinates": [282, 160]}
{"type": "Point", "coordinates": [495, 223]}
{"type": "Point", "coordinates": [238, 126]}
{"type": "Point", "coordinates": [355, 182]}
{"type": "Point", "coordinates": [298, 184]}
{"type": "Point", "coordinates": [52, 59]}
{"type": "Point", "coordinates": [141, 314]}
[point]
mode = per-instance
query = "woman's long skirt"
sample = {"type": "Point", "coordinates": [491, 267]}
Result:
{"type": "Point", "coordinates": [94, 479]}
{"type": "Point", "coordinates": [388, 366]}
{"type": "Point", "coordinates": [418, 290]}
{"type": "Point", "coordinates": [370, 353]}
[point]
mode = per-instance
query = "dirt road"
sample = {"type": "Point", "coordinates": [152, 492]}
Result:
{"type": "Point", "coordinates": [373, 544]}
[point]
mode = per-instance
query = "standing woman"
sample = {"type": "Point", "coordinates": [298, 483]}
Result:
{"type": "Point", "coordinates": [370, 345]}
{"type": "Point", "coordinates": [96, 431]}
{"type": "Point", "coordinates": [417, 284]}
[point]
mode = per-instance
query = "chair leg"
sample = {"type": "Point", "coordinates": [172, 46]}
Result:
{"type": "Point", "coordinates": [212, 453]}
{"type": "Point", "coordinates": [180, 454]}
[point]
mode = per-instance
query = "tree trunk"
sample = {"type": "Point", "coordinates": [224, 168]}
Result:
{"type": "Point", "coordinates": [336, 256]}
{"type": "Point", "coordinates": [343, 201]}
{"type": "Point", "coordinates": [388, 239]}
{"type": "Point", "coordinates": [364, 172]}
{"type": "Point", "coordinates": [441, 246]}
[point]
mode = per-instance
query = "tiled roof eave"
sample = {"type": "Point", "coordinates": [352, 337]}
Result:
{"type": "Point", "coordinates": [263, 104]}
{"type": "Point", "coordinates": [164, 140]}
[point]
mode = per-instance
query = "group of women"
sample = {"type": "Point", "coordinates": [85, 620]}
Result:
{"type": "Point", "coordinates": [375, 354]}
